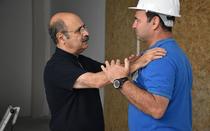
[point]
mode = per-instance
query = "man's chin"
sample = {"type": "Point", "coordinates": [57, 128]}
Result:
{"type": "Point", "coordinates": [85, 45]}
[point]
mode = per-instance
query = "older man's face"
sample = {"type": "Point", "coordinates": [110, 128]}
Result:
{"type": "Point", "coordinates": [78, 35]}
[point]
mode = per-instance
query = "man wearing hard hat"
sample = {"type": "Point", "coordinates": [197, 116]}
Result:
{"type": "Point", "coordinates": [160, 93]}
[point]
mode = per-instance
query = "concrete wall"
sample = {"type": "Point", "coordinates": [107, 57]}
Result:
{"type": "Point", "coordinates": [15, 54]}
{"type": "Point", "coordinates": [23, 53]}
{"type": "Point", "coordinates": [25, 47]}
{"type": "Point", "coordinates": [41, 50]}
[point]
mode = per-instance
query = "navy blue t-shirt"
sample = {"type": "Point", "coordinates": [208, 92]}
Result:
{"type": "Point", "coordinates": [72, 109]}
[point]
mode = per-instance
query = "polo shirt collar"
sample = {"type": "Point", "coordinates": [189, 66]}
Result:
{"type": "Point", "coordinates": [161, 42]}
{"type": "Point", "coordinates": [63, 53]}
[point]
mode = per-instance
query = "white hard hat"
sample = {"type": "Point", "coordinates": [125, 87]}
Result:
{"type": "Point", "coordinates": [166, 7]}
{"type": "Point", "coordinates": [162, 7]}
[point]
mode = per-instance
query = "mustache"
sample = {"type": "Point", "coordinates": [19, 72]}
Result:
{"type": "Point", "coordinates": [86, 38]}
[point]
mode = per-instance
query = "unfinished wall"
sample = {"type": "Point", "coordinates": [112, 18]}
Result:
{"type": "Point", "coordinates": [120, 42]}
{"type": "Point", "coordinates": [192, 31]}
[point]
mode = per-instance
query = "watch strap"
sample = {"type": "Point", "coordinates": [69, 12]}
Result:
{"type": "Point", "coordinates": [121, 81]}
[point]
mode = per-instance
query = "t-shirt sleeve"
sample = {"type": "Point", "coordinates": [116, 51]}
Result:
{"type": "Point", "coordinates": [66, 76]}
{"type": "Point", "coordinates": [159, 77]}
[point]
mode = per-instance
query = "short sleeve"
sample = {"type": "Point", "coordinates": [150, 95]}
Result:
{"type": "Point", "coordinates": [159, 77]}
{"type": "Point", "coordinates": [64, 75]}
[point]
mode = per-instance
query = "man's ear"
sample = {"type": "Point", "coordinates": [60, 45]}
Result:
{"type": "Point", "coordinates": [61, 37]}
{"type": "Point", "coordinates": [155, 22]}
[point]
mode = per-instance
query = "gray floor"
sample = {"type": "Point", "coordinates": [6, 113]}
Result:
{"type": "Point", "coordinates": [30, 124]}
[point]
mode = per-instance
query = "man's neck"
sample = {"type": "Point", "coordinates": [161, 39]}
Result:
{"type": "Point", "coordinates": [68, 50]}
{"type": "Point", "coordinates": [159, 37]}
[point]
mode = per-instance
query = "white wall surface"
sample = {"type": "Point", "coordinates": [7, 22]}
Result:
{"type": "Point", "coordinates": [40, 54]}
{"type": "Point", "coordinates": [15, 54]}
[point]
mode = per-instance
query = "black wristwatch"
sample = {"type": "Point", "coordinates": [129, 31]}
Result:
{"type": "Point", "coordinates": [117, 83]}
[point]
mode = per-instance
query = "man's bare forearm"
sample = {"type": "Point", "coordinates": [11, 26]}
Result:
{"type": "Point", "coordinates": [92, 80]}
{"type": "Point", "coordinates": [145, 101]}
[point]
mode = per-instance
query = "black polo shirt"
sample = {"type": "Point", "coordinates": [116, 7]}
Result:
{"type": "Point", "coordinates": [72, 109]}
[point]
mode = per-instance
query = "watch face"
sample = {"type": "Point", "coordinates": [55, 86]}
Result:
{"type": "Point", "coordinates": [116, 84]}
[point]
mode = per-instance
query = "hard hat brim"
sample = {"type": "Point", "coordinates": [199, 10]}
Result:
{"type": "Point", "coordinates": [137, 8]}
{"type": "Point", "coordinates": [133, 8]}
